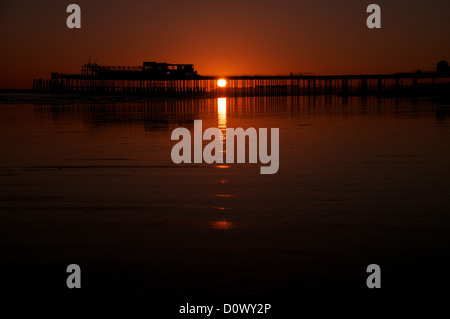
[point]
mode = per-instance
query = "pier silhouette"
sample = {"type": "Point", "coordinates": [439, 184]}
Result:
{"type": "Point", "coordinates": [181, 80]}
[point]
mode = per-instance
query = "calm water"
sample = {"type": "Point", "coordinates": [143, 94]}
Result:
{"type": "Point", "coordinates": [361, 181]}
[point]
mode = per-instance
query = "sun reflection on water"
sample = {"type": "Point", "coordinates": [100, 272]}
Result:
{"type": "Point", "coordinates": [222, 225]}
{"type": "Point", "coordinates": [222, 114]}
{"type": "Point", "coordinates": [222, 123]}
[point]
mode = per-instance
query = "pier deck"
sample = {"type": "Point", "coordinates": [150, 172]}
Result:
{"type": "Point", "coordinates": [186, 82]}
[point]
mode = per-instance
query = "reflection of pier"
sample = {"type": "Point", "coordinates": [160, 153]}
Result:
{"type": "Point", "coordinates": [178, 80]}
{"type": "Point", "coordinates": [164, 115]}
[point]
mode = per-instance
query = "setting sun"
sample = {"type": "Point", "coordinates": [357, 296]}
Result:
{"type": "Point", "coordinates": [221, 83]}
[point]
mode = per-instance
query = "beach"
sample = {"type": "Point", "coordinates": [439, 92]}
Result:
{"type": "Point", "coordinates": [361, 181]}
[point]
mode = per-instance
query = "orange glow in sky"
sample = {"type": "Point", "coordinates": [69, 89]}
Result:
{"type": "Point", "coordinates": [274, 37]}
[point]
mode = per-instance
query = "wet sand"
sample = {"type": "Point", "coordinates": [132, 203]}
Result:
{"type": "Point", "coordinates": [360, 182]}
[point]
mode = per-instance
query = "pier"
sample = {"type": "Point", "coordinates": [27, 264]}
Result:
{"type": "Point", "coordinates": [180, 80]}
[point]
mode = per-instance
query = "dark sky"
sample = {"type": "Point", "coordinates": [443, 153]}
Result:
{"type": "Point", "coordinates": [222, 37]}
